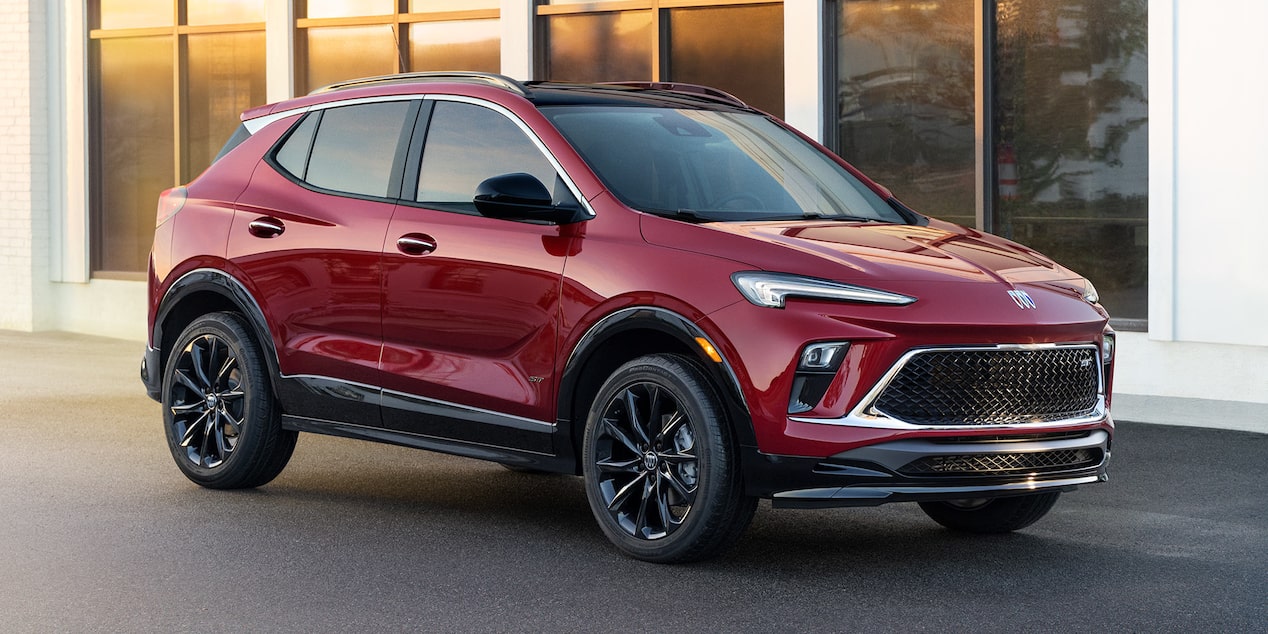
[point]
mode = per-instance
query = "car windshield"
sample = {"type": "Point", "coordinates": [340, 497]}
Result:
{"type": "Point", "coordinates": [705, 166]}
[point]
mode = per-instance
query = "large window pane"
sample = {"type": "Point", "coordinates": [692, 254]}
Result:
{"type": "Point", "coordinates": [135, 14]}
{"type": "Point", "coordinates": [600, 46]}
{"type": "Point", "coordinates": [225, 77]}
{"type": "Point", "coordinates": [348, 52]}
{"type": "Point", "coordinates": [462, 45]}
{"type": "Point", "coordinates": [224, 11]}
{"type": "Point", "coordinates": [349, 8]}
{"type": "Point", "coordinates": [134, 147]}
{"type": "Point", "coordinates": [905, 105]}
{"type": "Point", "coordinates": [737, 49]}
{"type": "Point", "coordinates": [1072, 149]}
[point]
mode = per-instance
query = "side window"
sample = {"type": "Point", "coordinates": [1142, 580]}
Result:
{"type": "Point", "coordinates": [293, 155]}
{"type": "Point", "coordinates": [354, 149]}
{"type": "Point", "coordinates": [467, 144]}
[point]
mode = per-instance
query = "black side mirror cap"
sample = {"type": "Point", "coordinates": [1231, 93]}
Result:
{"type": "Point", "coordinates": [522, 197]}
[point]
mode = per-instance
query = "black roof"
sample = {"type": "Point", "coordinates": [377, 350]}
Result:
{"type": "Point", "coordinates": [646, 94]}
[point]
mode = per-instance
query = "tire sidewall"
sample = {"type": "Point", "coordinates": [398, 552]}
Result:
{"type": "Point", "coordinates": [257, 402]}
{"type": "Point", "coordinates": [699, 402]}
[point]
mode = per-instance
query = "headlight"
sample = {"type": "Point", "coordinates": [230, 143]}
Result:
{"type": "Point", "coordinates": [1089, 293]}
{"type": "Point", "coordinates": [771, 289]}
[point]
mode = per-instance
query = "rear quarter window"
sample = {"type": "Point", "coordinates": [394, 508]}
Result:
{"type": "Point", "coordinates": [348, 149]}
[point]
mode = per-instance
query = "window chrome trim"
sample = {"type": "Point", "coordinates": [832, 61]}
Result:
{"type": "Point", "coordinates": [528, 131]}
{"type": "Point", "coordinates": [259, 123]}
{"type": "Point", "coordinates": [865, 415]}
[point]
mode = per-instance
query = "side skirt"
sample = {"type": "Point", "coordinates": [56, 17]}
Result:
{"type": "Point", "coordinates": [526, 459]}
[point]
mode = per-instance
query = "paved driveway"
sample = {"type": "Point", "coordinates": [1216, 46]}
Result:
{"type": "Point", "coordinates": [98, 531]}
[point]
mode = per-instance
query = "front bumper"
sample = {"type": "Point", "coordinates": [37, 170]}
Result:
{"type": "Point", "coordinates": [928, 469]}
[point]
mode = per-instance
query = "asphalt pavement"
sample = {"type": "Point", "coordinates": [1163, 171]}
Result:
{"type": "Point", "coordinates": [100, 532]}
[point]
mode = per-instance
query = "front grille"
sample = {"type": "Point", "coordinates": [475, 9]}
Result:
{"type": "Point", "coordinates": [993, 386]}
{"type": "Point", "coordinates": [1001, 463]}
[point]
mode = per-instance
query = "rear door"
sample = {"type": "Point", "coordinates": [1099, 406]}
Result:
{"type": "Point", "coordinates": [471, 305]}
{"type": "Point", "coordinates": [307, 240]}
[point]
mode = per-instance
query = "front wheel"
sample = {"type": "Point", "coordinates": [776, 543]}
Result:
{"type": "Point", "coordinates": [991, 515]}
{"type": "Point", "coordinates": [221, 420]}
{"type": "Point", "coordinates": [661, 468]}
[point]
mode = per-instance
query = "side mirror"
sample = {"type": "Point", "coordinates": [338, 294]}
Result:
{"type": "Point", "coordinates": [521, 196]}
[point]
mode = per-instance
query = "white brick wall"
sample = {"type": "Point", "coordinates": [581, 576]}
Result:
{"type": "Point", "coordinates": [24, 166]}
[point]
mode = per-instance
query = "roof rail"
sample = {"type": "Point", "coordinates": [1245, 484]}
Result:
{"type": "Point", "coordinates": [493, 79]}
{"type": "Point", "coordinates": [695, 89]}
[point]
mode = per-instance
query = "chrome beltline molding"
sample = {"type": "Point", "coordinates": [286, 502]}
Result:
{"type": "Point", "coordinates": [864, 415]}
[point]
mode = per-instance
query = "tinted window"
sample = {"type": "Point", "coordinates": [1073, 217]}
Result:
{"type": "Point", "coordinates": [293, 155]}
{"type": "Point", "coordinates": [713, 165]}
{"type": "Point", "coordinates": [356, 147]}
{"type": "Point", "coordinates": [467, 144]}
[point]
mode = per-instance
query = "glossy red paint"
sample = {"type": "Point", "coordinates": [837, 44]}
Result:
{"type": "Point", "coordinates": [487, 313]}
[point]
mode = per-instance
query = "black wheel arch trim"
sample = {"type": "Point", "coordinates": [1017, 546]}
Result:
{"type": "Point", "coordinates": [223, 284]}
{"type": "Point", "coordinates": [681, 329]}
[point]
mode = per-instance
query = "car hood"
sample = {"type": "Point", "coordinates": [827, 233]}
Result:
{"type": "Point", "coordinates": [972, 268]}
{"type": "Point", "coordinates": [939, 252]}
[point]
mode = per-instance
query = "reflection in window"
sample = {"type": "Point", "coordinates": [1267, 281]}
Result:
{"type": "Point", "coordinates": [452, 5]}
{"type": "Point", "coordinates": [736, 49]}
{"type": "Point", "coordinates": [356, 147]}
{"type": "Point", "coordinates": [134, 14]}
{"type": "Point", "coordinates": [905, 106]}
{"type": "Point", "coordinates": [467, 144]}
{"type": "Point", "coordinates": [137, 148]}
{"type": "Point", "coordinates": [347, 52]}
{"type": "Point", "coordinates": [226, 77]}
{"type": "Point", "coordinates": [348, 8]}
{"type": "Point", "coordinates": [133, 149]}
{"type": "Point", "coordinates": [456, 45]}
{"type": "Point", "coordinates": [600, 46]}
{"type": "Point", "coordinates": [224, 11]}
{"type": "Point", "coordinates": [1072, 143]}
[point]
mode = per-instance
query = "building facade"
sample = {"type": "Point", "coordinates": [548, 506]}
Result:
{"type": "Point", "coordinates": [1057, 123]}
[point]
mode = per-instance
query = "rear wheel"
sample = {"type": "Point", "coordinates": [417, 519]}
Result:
{"type": "Point", "coordinates": [661, 469]}
{"type": "Point", "coordinates": [991, 515]}
{"type": "Point", "coordinates": [221, 420]}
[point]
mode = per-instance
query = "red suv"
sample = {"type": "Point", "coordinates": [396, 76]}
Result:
{"type": "Point", "coordinates": [653, 286]}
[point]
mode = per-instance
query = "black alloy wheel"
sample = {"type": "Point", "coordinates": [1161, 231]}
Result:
{"type": "Point", "coordinates": [660, 465]}
{"type": "Point", "coordinates": [221, 421]}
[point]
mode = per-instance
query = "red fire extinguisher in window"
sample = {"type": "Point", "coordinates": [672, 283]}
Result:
{"type": "Point", "coordinates": [1006, 172]}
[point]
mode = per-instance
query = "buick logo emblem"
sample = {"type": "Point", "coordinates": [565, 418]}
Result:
{"type": "Point", "coordinates": [1022, 299]}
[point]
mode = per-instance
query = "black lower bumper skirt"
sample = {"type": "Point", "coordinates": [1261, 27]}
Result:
{"type": "Point", "coordinates": [900, 471]}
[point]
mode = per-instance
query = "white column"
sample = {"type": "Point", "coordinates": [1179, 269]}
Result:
{"type": "Point", "coordinates": [805, 99]}
{"type": "Point", "coordinates": [517, 39]}
{"type": "Point", "coordinates": [1162, 169]}
{"type": "Point", "coordinates": [279, 49]}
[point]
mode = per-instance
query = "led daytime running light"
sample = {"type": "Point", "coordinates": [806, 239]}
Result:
{"type": "Point", "coordinates": [772, 290]}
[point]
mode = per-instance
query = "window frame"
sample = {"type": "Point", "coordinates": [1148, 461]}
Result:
{"type": "Point", "coordinates": [178, 31]}
{"type": "Point", "coordinates": [399, 160]}
{"type": "Point", "coordinates": [400, 19]}
{"type": "Point", "coordinates": [418, 146]}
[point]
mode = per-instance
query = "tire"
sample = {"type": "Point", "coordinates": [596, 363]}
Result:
{"type": "Point", "coordinates": [660, 465]}
{"type": "Point", "coordinates": [991, 515]}
{"type": "Point", "coordinates": [219, 413]}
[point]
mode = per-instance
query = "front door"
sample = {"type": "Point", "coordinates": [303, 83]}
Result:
{"type": "Point", "coordinates": [471, 304]}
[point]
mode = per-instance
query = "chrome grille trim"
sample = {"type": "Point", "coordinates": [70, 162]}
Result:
{"type": "Point", "coordinates": [866, 415]}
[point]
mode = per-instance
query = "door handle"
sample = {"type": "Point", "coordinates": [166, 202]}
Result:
{"type": "Point", "coordinates": [416, 244]}
{"type": "Point", "coordinates": [266, 227]}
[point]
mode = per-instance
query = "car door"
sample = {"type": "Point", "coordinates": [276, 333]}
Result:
{"type": "Point", "coordinates": [307, 240]}
{"type": "Point", "coordinates": [470, 313]}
